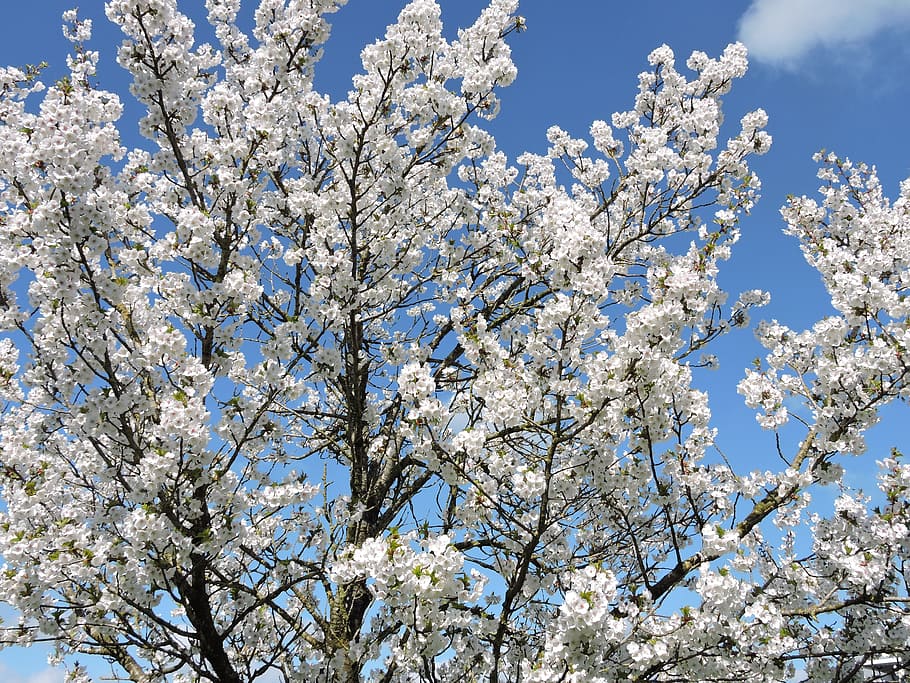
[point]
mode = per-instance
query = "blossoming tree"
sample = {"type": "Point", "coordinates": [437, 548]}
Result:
{"type": "Point", "coordinates": [306, 390]}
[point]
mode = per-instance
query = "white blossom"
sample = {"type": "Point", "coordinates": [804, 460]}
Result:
{"type": "Point", "coordinates": [312, 389]}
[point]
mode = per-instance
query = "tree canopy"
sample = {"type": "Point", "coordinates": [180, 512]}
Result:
{"type": "Point", "coordinates": [312, 390]}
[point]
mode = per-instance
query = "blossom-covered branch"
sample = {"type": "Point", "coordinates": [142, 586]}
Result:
{"type": "Point", "coordinates": [311, 390]}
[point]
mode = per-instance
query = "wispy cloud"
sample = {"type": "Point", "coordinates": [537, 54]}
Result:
{"type": "Point", "coordinates": [781, 32]}
{"type": "Point", "coordinates": [48, 675]}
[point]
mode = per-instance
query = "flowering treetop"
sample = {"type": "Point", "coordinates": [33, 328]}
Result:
{"type": "Point", "coordinates": [327, 390]}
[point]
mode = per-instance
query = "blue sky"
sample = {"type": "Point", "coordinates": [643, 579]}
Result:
{"type": "Point", "coordinates": [830, 73]}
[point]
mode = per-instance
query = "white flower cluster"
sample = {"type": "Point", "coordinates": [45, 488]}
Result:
{"type": "Point", "coordinates": [332, 390]}
{"type": "Point", "coordinates": [421, 582]}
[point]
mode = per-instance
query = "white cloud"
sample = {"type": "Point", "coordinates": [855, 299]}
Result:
{"type": "Point", "coordinates": [48, 675]}
{"type": "Point", "coordinates": [783, 31]}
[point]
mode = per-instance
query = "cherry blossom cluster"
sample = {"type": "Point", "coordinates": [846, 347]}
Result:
{"type": "Point", "coordinates": [301, 389]}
